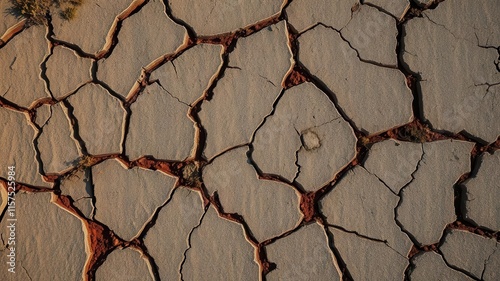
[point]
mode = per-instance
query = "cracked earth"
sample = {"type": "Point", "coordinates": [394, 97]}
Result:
{"type": "Point", "coordinates": [253, 140]}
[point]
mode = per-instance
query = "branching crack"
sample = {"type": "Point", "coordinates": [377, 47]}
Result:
{"type": "Point", "coordinates": [358, 55]}
{"type": "Point", "coordinates": [400, 195]}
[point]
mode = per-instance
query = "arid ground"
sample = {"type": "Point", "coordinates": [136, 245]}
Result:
{"type": "Point", "coordinates": [250, 140]}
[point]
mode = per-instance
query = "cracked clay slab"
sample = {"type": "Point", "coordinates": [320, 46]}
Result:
{"type": "Point", "coordinates": [483, 193]}
{"type": "Point", "coordinates": [393, 162]}
{"type": "Point", "coordinates": [457, 98]}
{"type": "Point", "coordinates": [116, 207]}
{"type": "Point", "coordinates": [373, 34]}
{"type": "Point", "coordinates": [427, 202]}
{"type": "Point", "coordinates": [369, 260]}
{"type": "Point", "coordinates": [269, 208]}
{"type": "Point", "coordinates": [245, 95]}
{"type": "Point", "coordinates": [474, 254]}
{"type": "Point", "coordinates": [124, 264]}
{"type": "Point", "coordinates": [20, 67]}
{"type": "Point", "coordinates": [431, 266]}
{"type": "Point", "coordinates": [102, 130]}
{"type": "Point", "coordinates": [361, 203]}
{"type": "Point", "coordinates": [53, 246]}
{"type": "Point", "coordinates": [90, 25]}
{"type": "Point", "coordinates": [16, 135]}
{"type": "Point", "coordinates": [79, 187]}
{"type": "Point", "coordinates": [395, 7]}
{"type": "Point", "coordinates": [158, 35]}
{"type": "Point", "coordinates": [58, 148]}
{"type": "Point", "coordinates": [170, 137]}
{"type": "Point", "coordinates": [187, 77]}
{"type": "Point", "coordinates": [384, 103]}
{"type": "Point", "coordinates": [223, 244]}
{"type": "Point", "coordinates": [66, 71]}
{"type": "Point", "coordinates": [305, 139]}
{"type": "Point", "coordinates": [169, 238]}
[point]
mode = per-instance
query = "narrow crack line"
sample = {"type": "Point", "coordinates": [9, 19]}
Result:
{"type": "Point", "coordinates": [308, 29]}
{"type": "Point", "coordinates": [484, 46]}
{"type": "Point", "coordinates": [72, 93]}
{"type": "Point", "coordinates": [184, 255]}
{"type": "Point", "coordinates": [341, 264]}
{"type": "Point", "coordinates": [382, 181]}
{"type": "Point", "coordinates": [234, 217]}
{"type": "Point", "coordinates": [268, 81]}
{"type": "Point", "coordinates": [490, 85]}
{"type": "Point", "coordinates": [211, 160]}
{"type": "Point", "coordinates": [297, 173]}
{"type": "Point", "coordinates": [82, 198]}
{"type": "Point", "coordinates": [343, 229]}
{"type": "Point", "coordinates": [443, 26]}
{"type": "Point", "coordinates": [251, 161]}
{"type": "Point", "coordinates": [174, 97]}
{"type": "Point", "coordinates": [271, 113]}
{"type": "Point", "coordinates": [152, 220]}
{"type": "Point", "coordinates": [27, 273]}
{"type": "Point", "coordinates": [318, 82]}
{"type": "Point", "coordinates": [47, 121]}
{"type": "Point", "coordinates": [7, 91]}
{"type": "Point", "coordinates": [175, 68]}
{"type": "Point", "coordinates": [400, 201]}
{"type": "Point", "coordinates": [326, 123]}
